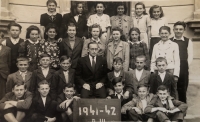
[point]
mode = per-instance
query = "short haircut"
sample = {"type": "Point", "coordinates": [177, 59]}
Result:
{"type": "Point", "coordinates": [165, 28]}
{"type": "Point", "coordinates": [91, 43]}
{"type": "Point", "coordinates": [95, 26]}
{"type": "Point", "coordinates": [134, 29]}
{"type": "Point", "coordinates": [1, 34]}
{"type": "Point", "coordinates": [162, 88]}
{"type": "Point", "coordinates": [31, 28]}
{"type": "Point", "coordinates": [141, 56]}
{"type": "Point", "coordinates": [42, 83]}
{"type": "Point", "coordinates": [117, 60]}
{"type": "Point", "coordinates": [143, 85]}
{"type": "Point", "coordinates": [99, 2]}
{"type": "Point", "coordinates": [180, 23]}
{"type": "Point", "coordinates": [52, 26]}
{"type": "Point", "coordinates": [121, 4]}
{"type": "Point", "coordinates": [69, 85]}
{"type": "Point", "coordinates": [160, 59]}
{"type": "Point", "coordinates": [22, 59]}
{"type": "Point", "coordinates": [70, 25]}
{"type": "Point", "coordinates": [118, 80]}
{"type": "Point", "coordinates": [142, 4]}
{"type": "Point", "coordinates": [19, 83]}
{"type": "Point", "coordinates": [14, 24]}
{"type": "Point", "coordinates": [44, 55]}
{"type": "Point", "coordinates": [64, 57]}
{"type": "Point", "coordinates": [152, 8]}
{"type": "Point", "coordinates": [51, 1]}
{"type": "Point", "coordinates": [117, 29]}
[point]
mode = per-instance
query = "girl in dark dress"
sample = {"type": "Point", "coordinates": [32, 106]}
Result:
{"type": "Point", "coordinates": [29, 48]}
{"type": "Point", "coordinates": [50, 47]}
{"type": "Point", "coordinates": [50, 17]}
{"type": "Point", "coordinates": [77, 17]}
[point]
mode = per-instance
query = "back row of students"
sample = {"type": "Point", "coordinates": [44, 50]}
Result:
{"type": "Point", "coordinates": [53, 92]}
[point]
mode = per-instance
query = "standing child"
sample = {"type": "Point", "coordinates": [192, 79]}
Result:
{"type": "Point", "coordinates": [63, 76]}
{"type": "Point", "coordinates": [162, 77]}
{"type": "Point", "coordinates": [42, 73]}
{"type": "Point", "coordinates": [50, 17]}
{"type": "Point", "coordinates": [142, 21]}
{"type": "Point", "coordinates": [21, 75]}
{"type": "Point", "coordinates": [137, 47]}
{"type": "Point", "coordinates": [65, 102]}
{"type": "Point", "coordinates": [169, 50]}
{"type": "Point", "coordinates": [157, 20]}
{"type": "Point", "coordinates": [43, 108]}
{"type": "Point", "coordinates": [29, 48]}
{"type": "Point", "coordinates": [135, 108]}
{"type": "Point", "coordinates": [13, 42]}
{"type": "Point", "coordinates": [140, 75]}
{"type": "Point", "coordinates": [161, 110]}
{"type": "Point", "coordinates": [15, 104]}
{"type": "Point", "coordinates": [118, 72]}
{"type": "Point", "coordinates": [5, 63]}
{"type": "Point", "coordinates": [186, 57]}
{"type": "Point", "coordinates": [50, 46]}
{"type": "Point", "coordinates": [95, 32]}
{"type": "Point", "coordinates": [77, 17]}
{"type": "Point", "coordinates": [103, 20]}
{"type": "Point", "coordinates": [117, 48]}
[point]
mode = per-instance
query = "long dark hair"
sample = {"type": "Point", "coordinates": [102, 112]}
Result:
{"type": "Point", "coordinates": [73, 9]}
{"type": "Point", "coordinates": [140, 3]}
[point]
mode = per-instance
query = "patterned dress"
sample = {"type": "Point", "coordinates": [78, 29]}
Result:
{"type": "Point", "coordinates": [51, 49]}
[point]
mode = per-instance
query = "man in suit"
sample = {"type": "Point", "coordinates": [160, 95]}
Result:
{"type": "Point", "coordinates": [140, 75]}
{"type": "Point", "coordinates": [43, 106]}
{"type": "Point", "coordinates": [91, 73]}
{"type": "Point", "coordinates": [42, 73]}
{"type": "Point", "coordinates": [72, 45]}
{"type": "Point", "coordinates": [13, 105]}
{"type": "Point", "coordinates": [21, 75]}
{"type": "Point", "coordinates": [160, 107]}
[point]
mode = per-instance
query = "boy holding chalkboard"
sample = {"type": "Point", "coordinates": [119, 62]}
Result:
{"type": "Point", "coordinates": [65, 102]}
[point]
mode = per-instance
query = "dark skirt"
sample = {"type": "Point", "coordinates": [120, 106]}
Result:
{"type": "Point", "coordinates": [2, 87]}
{"type": "Point", "coordinates": [153, 41]}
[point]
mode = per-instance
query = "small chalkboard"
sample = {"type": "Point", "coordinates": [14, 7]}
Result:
{"type": "Point", "coordinates": [97, 110]}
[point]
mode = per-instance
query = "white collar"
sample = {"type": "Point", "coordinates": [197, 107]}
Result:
{"type": "Point", "coordinates": [97, 41]}
{"type": "Point", "coordinates": [157, 19]}
{"type": "Point", "coordinates": [159, 73]}
{"type": "Point", "coordinates": [138, 42]}
{"type": "Point", "coordinates": [182, 38]}
{"type": "Point", "coordinates": [45, 68]}
{"type": "Point", "coordinates": [138, 17]}
{"type": "Point", "coordinates": [119, 93]}
{"type": "Point", "coordinates": [164, 102]}
{"type": "Point", "coordinates": [33, 42]}
{"type": "Point", "coordinates": [139, 70]}
{"type": "Point", "coordinates": [22, 72]}
{"type": "Point", "coordinates": [92, 57]}
{"type": "Point", "coordinates": [50, 14]}
{"type": "Point", "coordinates": [166, 42]}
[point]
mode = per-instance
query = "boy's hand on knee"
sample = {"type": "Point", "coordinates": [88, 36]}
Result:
{"type": "Point", "coordinates": [137, 110]}
{"type": "Point", "coordinates": [162, 109]}
{"type": "Point", "coordinates": [8, 106]}
{"type": "Point", "coordinates": [108, 97]}
{"type": "Point", "coordinates": [126, 95]}
{"type": "Point", "coordinates": [99, 85]}
{"type": "Point", "coordinates": [86, 86]}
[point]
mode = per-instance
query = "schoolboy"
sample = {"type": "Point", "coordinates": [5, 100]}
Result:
{"type": "Point", "coordinates": [43, 107]}
{"type": "Point", "coordinates": [42, 73]}
{"type": "Point", "coordinates": [162, 77]}
{"type": "Point", "coordinates": [140, 75]}
{"type": "Point", "coordinates": [62, 77]}
{"type": "Point", "coordinates": [65, 101]}
{"type": "Point", "coordinates": [13, 42]}
{"type": "Point", "coordinates": [14, 104]}
{"type": "Point", "coordinates": [118, 72]}
{"type": "Point", "coordinates": [160, 107]}
{"type": "Point", "coordinates": [21, 75]}
{"type": "Point", "coordinates": [186, 57]}
{"type": "Point", "coordinates": [135, 108]}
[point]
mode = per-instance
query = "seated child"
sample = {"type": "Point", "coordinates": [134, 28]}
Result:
{"type": "Point", "coordinates": [14, 104]}
{"type": "Point", "coordinates": [161, 110]}
{"type": "Point", "coordinates": [118, 72]}
{"type": "Point", "coordinates": [65, 101]}
{"type": "Point", "coordinates": [21, 75]}
{"type": "Point", "coordinates": [43, 106]}
{"type": "Point", "coordinates": [135, 107]}
{"type": "Point", "coordinates": [140, 75]}
{"type": "Point", "coordinates": [42, 73]}
{"type": "Point", "coordinates": [162, 77]}
{"type": "Point", "coordinates": [62, 77]}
